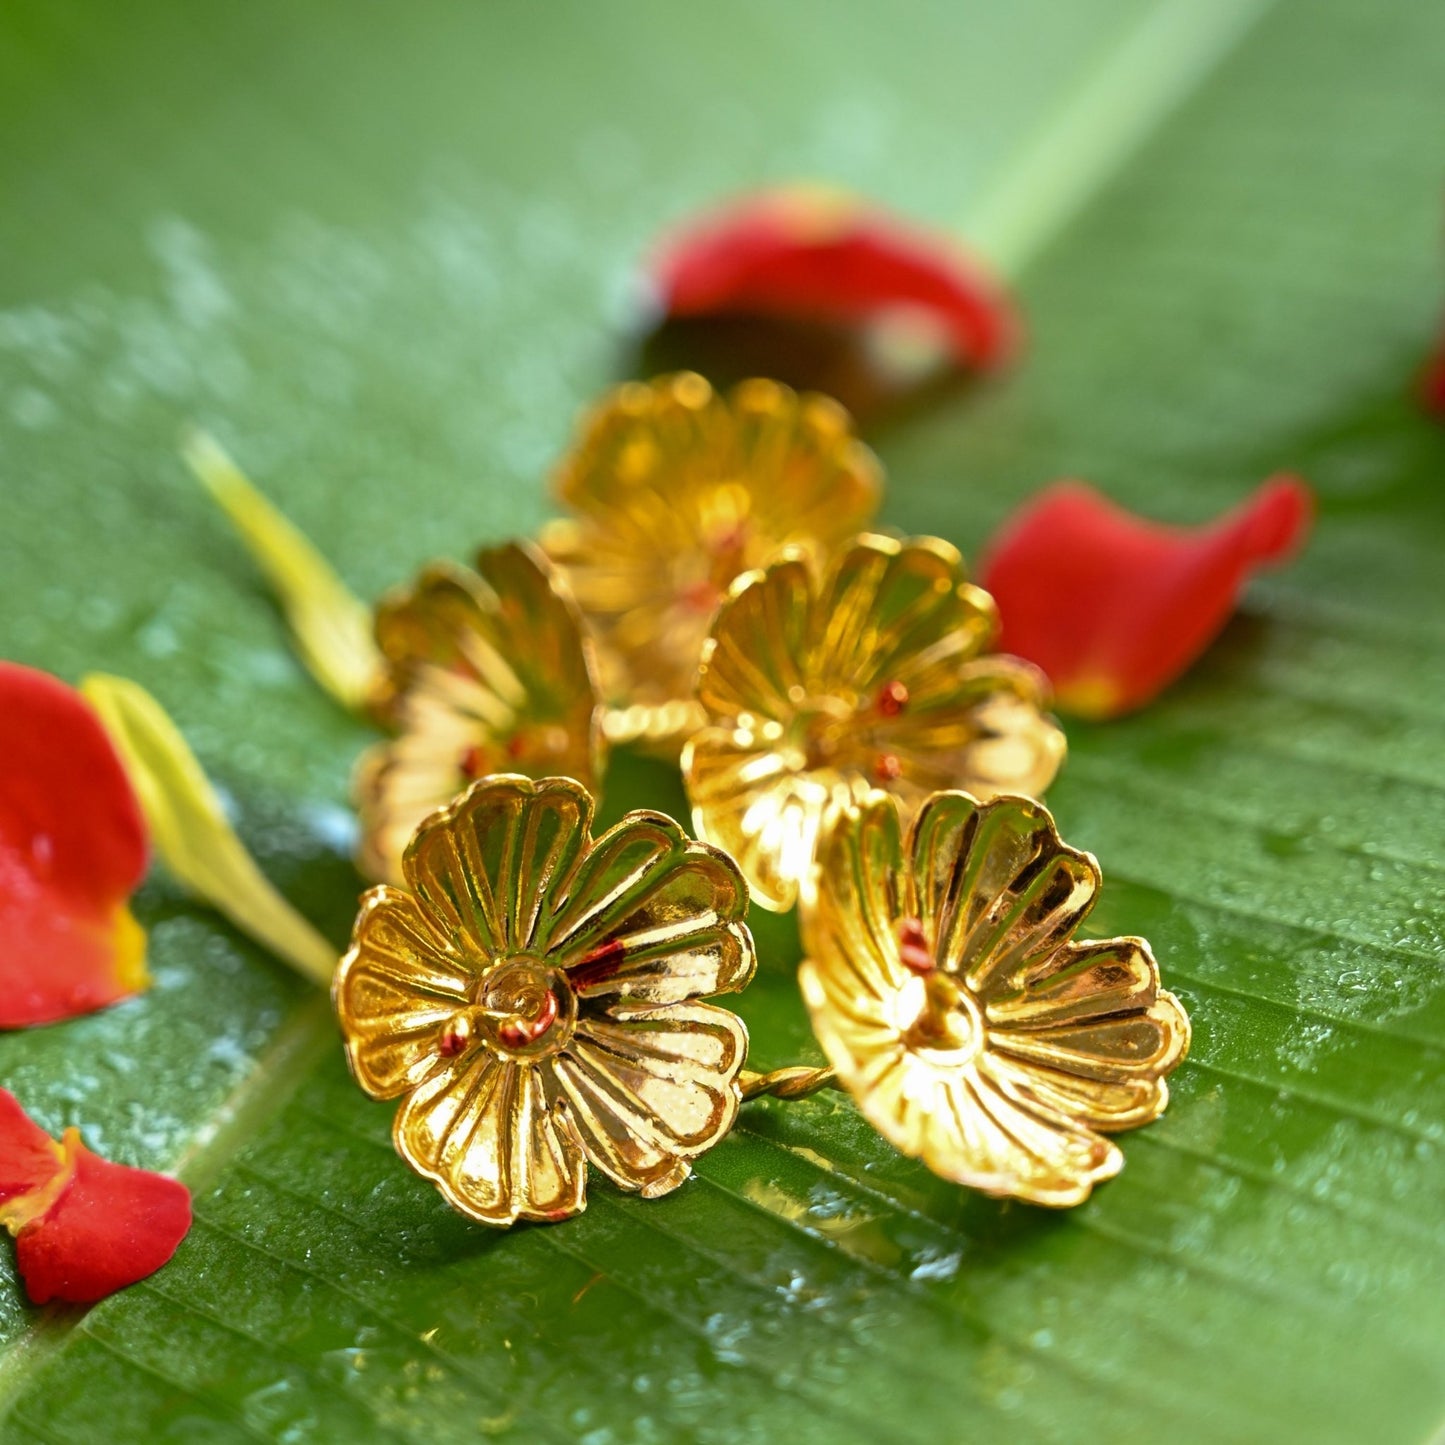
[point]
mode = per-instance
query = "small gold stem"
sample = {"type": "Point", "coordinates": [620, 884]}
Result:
{"type": "Point", "coordinates": [794, 1082]}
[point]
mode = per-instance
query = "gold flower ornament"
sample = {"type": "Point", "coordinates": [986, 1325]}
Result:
{"type": "Point", "coordinates": [950, 996]}
{"type": "Point", "coordinates": [673, 491]}
{"type": "Point", "coordinates": [530, 993]}
{"type": "Point", "coordinates": [823, 684]}
{"type": "Point", "coordinates": [486, 671]}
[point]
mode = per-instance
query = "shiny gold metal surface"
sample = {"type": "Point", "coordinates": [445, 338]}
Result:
{"type": "Point", "coordinates": [874, 674]}
{"type": "Point", "coordinates": [531, 995]}
{"type": "Point", "coordinates": [673, 491]}
{"type": "Point", "coordinates": [487, 671]}
{"type": "Point", "coordinates": [793, 1081]}
{"type": "Point", "coordinates": [947, 991]}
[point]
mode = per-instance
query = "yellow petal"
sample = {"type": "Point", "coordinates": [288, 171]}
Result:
{"type": "Point", "coordinates": [331, 627]}
{"type": "Point", "coordinates": [190, 831]}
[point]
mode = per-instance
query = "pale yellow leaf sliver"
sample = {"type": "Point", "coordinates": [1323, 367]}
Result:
{"type": "Point", "coordinates": [189, 828]}
{"type": "Point", "coordinates": [331, 627]}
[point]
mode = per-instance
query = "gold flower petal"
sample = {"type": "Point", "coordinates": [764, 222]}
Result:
{"type": "Point", "coordinates": [1103, 1104]}
{"type": "Point", "coordinates": [675, 491]}
{"type": "Point", "coordinates": [820, 688]}
{"type": "Point", "coordinates": [891, 610]}
{"type": "Point", "coordinates": [1085, 981]}
{"type": "Point", "coordinates": [653, 916]}
{"type": "Point", "coordinates": [653, 1087]}
{"type": "Point", "coordinates": [492, 1140]}
{"type": "Point", "coordinates": [1048, 1158]}
{"type": "Point", "coordinates": [948, 996]}
{"type": "Point", "coordinates": [1002, 891]}
{"type": "Point", "coordinates": [397, 986]}
{"type": "Point", "coordinates": [864, 864]}
{"type": "Point", "coordinates": [755, 660]}
{"type": "Point", "coordinates": [483, 867]}
{"type": "Point", "coordinates": [991, 725]}
{"type": "Point", "coordinates": [488, 672]}
{"type": "Point", "coordinates": [1110, 1048]}
{"type": "Point", "coordinates": [856, 1020]}
{"type": "Point", "coordinates": [968, 1123]}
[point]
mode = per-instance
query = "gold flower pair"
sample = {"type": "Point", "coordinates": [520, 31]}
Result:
{"type": "Point", "coordinates": [532, 993]}
{"type": "Point", "coordinates": [713, 587]}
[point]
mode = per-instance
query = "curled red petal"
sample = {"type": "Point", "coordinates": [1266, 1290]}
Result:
{"type": "Point", "coordinates": [111, 1226]}
{"type": "Point", "coordinates": [83, 1227]}
{"type": "Point", "coordinates": [808, 254]}
{"type": "Point", "coordinates": [29, 1158]}
{"type": "Point", "coordinates": [72, 850]}
{"type": "Point", "coordinates": [1114, 607]}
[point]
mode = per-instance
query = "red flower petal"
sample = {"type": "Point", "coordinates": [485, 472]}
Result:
{"type": "Point", "coordinates": [72, 850]}
{"type": "Point", "coordinates": [1432, 382]}
{"type": "Point", "coordinates": [29, 1158]}
{"type": "Point", "coordinates": [112, 1226]}
{"type": "Point", "coordinates": [1114, 607]}
{"type": "Point", "coordinates": [87, 1227]}
{"type": "Point", "coordinates": [814, 255]}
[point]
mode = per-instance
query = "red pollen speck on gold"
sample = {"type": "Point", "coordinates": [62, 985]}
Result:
{"type": "Point", "coordinates": [887, 768]}
{"type": "Point", "coordinates": [700, 597]}
{"type": "Point", "coordinates": [599, 963]}
{"type": "Point", "coordinates": [892, 698]}
{"type": "Point", "coordinates": [913, 947]}
{"type": "Point", "coordinates": [607, 954]}
{"type": "Point", "coordinates": [474, 761]}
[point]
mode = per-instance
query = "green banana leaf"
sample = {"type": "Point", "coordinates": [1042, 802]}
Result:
{"type": "Point", "coordinates": [385, 253]}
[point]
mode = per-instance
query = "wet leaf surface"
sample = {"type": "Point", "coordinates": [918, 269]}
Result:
{"type": "Point", "coordinates": [385, 257]}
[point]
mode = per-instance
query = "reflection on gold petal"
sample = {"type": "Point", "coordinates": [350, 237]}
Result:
{"type": "Point", "coordinates": [821, 685]}
{"type": "Point", "coordinates": [857, 1233]}
{"type": "Point", "coordinates": [672, 492]}
{"type": "Point", "coordinates": [487, 671]}
{"type": "Point", "coordinates": [948, 993]}
{"type": "Point", "coordinates": [530, 992]}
